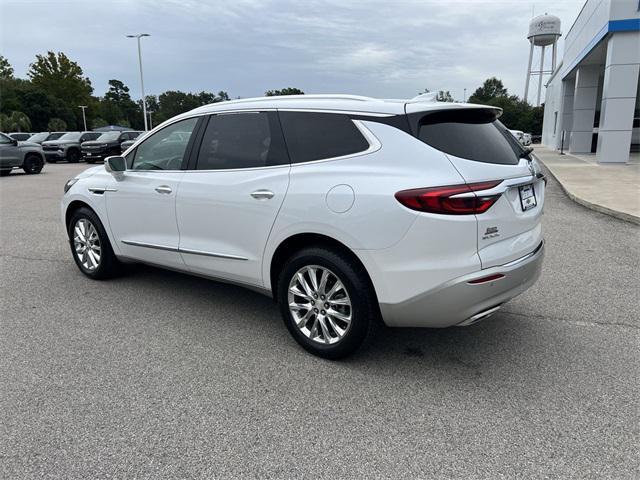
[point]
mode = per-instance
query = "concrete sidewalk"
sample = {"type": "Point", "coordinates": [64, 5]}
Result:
{"type": "Point", "coordinates": [613, 189]}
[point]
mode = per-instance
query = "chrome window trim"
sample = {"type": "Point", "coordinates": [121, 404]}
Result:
{"type": "Point", "coordinates": [372, 140]}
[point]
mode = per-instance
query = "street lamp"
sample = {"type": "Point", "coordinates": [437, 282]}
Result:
{"type": "Point", "coordinates": [464, 96]}
{"type": "Point", "coordinates": [84, 119]}
{"type": "Point", "coordinates": [138, 36]}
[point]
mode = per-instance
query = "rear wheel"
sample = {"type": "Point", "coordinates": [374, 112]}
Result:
{"type": "Point", "coordinates": [90, 246]}
{"type": "Point", "coordinates": [327, 302]}
{"type": "Point", "coordinates": [32, 164]}
{"type": "Point", "coordinates": [4, 173]}
{"type": "Point", "coordinates": [73, 156]}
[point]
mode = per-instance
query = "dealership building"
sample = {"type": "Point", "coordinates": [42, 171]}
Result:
{"type": "Point", "coordinates": [592, 102]}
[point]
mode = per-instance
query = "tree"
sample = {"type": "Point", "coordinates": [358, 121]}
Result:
{"type": "Point", "coordinates": [99, 122]}
{"type": "Point", "coordinates": [64, 80]}
{"type": "Point", "coordinates": [117, 105]}
{"type": "Point", "coordinates": [445, 96]}
{"type": "Point", "coordinates": [490, 89]}
{"type": "Point", "coordinates": [16, 122]}
{"type": "Point", "coordinates": [6, 70]}
{"type": "Point", "coordinates": [284, 91]}
{"type": "Point", "coordinates": [56, 125]}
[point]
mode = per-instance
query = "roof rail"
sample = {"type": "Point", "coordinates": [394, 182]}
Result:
{"type": "Point", "coordinates": [356, 98]}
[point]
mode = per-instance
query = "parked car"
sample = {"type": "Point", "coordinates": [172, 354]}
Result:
{"type": "Point", "coordinates": [44, 136]}
{"type": "Point", "coordinates": [526, 139]}
{"type": "Point", "coordinates": [518, 134]}
{"type": "Point", "coordinates": [67, 147]}
{"type": "Point", "coordinates": [20, 136]}
{"type": "Point", "coordinates": [345, 209]}
{"type": "Point", "coordinates": [108, 143]}
{"type": "Point", "coordinates": [124, 146]}
{"type": "Point", "coordinates": [14, 154]}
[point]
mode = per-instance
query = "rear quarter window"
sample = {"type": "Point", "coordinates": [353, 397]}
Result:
{"type": "Point", "coordinates": [316, 136]}
{"type": "Point", "coordinates": [472, 134]}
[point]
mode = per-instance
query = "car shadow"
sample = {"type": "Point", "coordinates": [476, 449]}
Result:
{"type": "Point", "coordinates": [496, 343]}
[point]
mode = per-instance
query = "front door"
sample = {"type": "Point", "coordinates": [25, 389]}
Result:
{"type": "Point", "coordinates": [229, 200]}
{"type": "Point", "coordinates": [141, 202]}
{"type": "Point", "coordinates": [9, 153]}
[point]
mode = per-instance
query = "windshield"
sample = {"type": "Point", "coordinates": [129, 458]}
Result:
{"type": "Point", "coordinates": [73, 136]}
{"type": "Point", "coordinates": [38, 137]}
{"type": "Point", "coordinates": [108, 137]}
{"type": "Point", "coordinates": [472, 134]}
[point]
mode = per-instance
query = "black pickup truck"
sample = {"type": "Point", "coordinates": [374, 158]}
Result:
{"type": "Point", "coordinates": [106, 145]}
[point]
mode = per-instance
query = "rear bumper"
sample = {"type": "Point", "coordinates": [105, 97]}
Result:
{"type": "Point", "coordinates": [459, 302]}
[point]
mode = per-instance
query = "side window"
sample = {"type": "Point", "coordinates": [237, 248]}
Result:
{"type": "Point", "coordinates": [314, 136]}
{"type": "Point", "coordinates": [4, 139]}
{"type": "Point", "coordinates": [165, 149]}
{"type": "Point", "coordinates": [242, 140]}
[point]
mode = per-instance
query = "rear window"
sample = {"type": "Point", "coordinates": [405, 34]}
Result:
{"type": "Point", "coordinates": [473, 134]}
{"type": "Point", "coordinates": [315, 136]}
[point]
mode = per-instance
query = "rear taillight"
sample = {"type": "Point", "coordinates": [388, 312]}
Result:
{"type": "Point", "coordinates": [444, 200]}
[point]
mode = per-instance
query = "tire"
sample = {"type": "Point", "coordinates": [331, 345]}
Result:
{"type": "Point", "coordinates": [108, 265]}
{"type": "Point", "coordinates": [357, 290]}
{"type": "Point", "coordinates": [90, 161]}
{"type": "Point", "coordinates": [5, 173]}
{"type": "Point", "coordinates": [73, 156]}
{"type": "Point", "coordinates": [32, 164]}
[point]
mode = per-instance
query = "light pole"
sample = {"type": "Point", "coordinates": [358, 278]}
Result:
{"type": "Point", "coordinates": [84, 119]}
{"type": "Point", "coordinates": [464, 96]}
{"type": "Point", "coordinates": [150, 120]}
{"type": "Point", "coordinates": [138, 36]}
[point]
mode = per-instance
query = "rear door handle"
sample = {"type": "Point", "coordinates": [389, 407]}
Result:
{"type": "Point", "coordinates": [164, 189]}
{"type": "Point", "coordinates": [262, 194]}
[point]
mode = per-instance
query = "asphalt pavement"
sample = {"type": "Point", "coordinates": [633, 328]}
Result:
{"type": "Point", "coordinates": [162, 375]}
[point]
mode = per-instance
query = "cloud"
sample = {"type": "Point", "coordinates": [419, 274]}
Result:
{"type": "Point", "coordinates": [376, 47]}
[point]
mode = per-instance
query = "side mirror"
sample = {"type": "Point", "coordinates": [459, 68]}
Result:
{"type": "Point", "coordinates": [115, 164]}
{"type": "Point", "coordinates": [14, 142]}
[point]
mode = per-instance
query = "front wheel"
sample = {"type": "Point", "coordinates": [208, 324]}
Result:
{"type": "Point", "coordinates": [73, 156]}
{"type": "Point", "coordinates": [32, 164]}
{"type": "Point", "coordinates": [90, 246]}
{"type": "Point", "coordinates": [327, 302]}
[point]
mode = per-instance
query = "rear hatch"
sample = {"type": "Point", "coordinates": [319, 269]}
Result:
{"type": "Point", "coordinates": [483, 150]}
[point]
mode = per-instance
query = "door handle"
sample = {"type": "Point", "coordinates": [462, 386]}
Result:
{"type": "Point", "coordinates": [163, 189]}
{"type": "Point", "coordinates": [262, 194]}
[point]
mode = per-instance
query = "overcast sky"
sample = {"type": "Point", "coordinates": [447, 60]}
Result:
{"type": "Point", "coordinates": [380, 48]}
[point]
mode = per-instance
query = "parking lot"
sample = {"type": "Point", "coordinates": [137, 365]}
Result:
{"type": "Point", "coordinates": [159, 374]}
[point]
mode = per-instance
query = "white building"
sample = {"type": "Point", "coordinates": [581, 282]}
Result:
{"type": "Point", "coordinates": [593, 96]}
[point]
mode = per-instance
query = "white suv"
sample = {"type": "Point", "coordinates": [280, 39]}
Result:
{"type": "Point", "coordinates": [345, 209]}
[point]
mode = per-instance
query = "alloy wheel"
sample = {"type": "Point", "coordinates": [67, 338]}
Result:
{"type": "Point", "coordinates": [319, 304]}
{"type": "Point", "coordinates": [86, 243]}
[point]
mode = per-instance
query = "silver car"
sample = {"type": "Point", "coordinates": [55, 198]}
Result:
{"type": "Point", "coordinates": [14, 154]}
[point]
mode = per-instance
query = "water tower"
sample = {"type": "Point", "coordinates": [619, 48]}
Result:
{"type": "Point", "coordinates": [544, 30]}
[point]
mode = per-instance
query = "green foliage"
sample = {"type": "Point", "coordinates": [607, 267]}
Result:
{"type": "Point", "coordinates": [17, 122]}
{"type": "Point", "coordinates": [516, 113]}
{"type": "Point", "coordinates": [6, 70]}
{"type": "Point", "coordinates": [98, 122]}
{"type": "Point", "coordinates": [57, 125]}
{"type": "Point", "coordinates": [284, 91]}
{"type": "Point", "coordinates": [445, 96]}
{"type": "Point", "coordinates": [491, 88]}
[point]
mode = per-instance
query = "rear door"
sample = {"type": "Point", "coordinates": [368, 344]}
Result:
{"type": "Point", "coordinates": [230, 195]}
{"type": "Point", "coordinates": [482, 150]}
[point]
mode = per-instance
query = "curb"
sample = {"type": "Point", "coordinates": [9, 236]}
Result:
{"type": "Point", "coordinates": [627, 217]}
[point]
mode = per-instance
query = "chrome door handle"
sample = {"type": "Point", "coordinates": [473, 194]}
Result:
{"type": "Point", "coordinates": [262, 194]}
{"type": "Point", "coordinates": [163, 189]}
